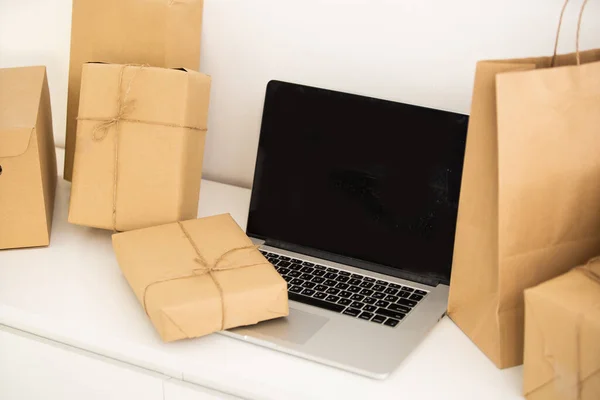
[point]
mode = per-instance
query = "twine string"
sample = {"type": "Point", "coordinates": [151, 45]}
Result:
{"type": "Point", "coordinates": [205, 269]}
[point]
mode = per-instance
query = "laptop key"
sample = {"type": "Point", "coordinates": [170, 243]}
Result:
{"type": "Point", "coordinates": [308, 270]}
{"type": "Point", "coordinates": [378, 319]}
{"type": "Point", "coordinates": [295, 289]}
{"type": "Point", "coordinates": [329, 269]}
{"type": "Point", "coordinates": [382, 303]}
{"type": "Point", "coordinates": [367, 279]}
{"type": "Point", "coordinates": [391, 291]}
{"type": "Point", "coordinates": [391, 322]}
{"type": "Point", "coordinates": [354, 281]}
{"type": "Point", "coordinates": [408, 289]}
{"type": "Point", "coordinates": [391, 298]}
{"type": "Point", "coordinates": [366, 316]}
{"type": "Point", "coordinates": [320, 295]}
{"type": "Point", "coordinates": [345, 302]}
{"type": "Point", "coordinates": [294, 274]}
{"type": "Point", "coordinates": [309, 285]}
{"type": "Point", "coordinates": [378, 295]}
{"type": "Point", "coordinates": [351, 311]}
{"type": "Point", "coordinates": [406, 302]}
{"type": "Point", "coordinates": [357, 304]}
{"type": "Point", "coordinates": [354, 289]}
{"type": "Point", "coordinates": [416, 297]}
{"type": "Point", "coordinates": [321, 288]}
{"type": "Point", "coordinates": [344, 273]}
{"type": "Point", "coordinates": [332, 291]}
{"type": "Point", "coordinates": [288, 278]}
{"type": "Point", "coordinates": [297, 281]}
{"type": "Point", "coordinates": [342, 286]}
{"type": "Point", "coordinates": [394, 286]}
{"type": "Point", "coordinates": [316, 302]}
{"type": "Point", "coordinates": [380, 282]}
{"type": "Point", "coordinates": [389, 313]}
{"type": "Point", "coordinates": [398, 307]}
{"type": "Point", "coordinates": [284, 258]}
{"type": "Point", "coordinates": [319, 267]}
{"type": "Point", "coordinates": [345, 294]}
{"type": "Point", "coordinates": [306, 277]}
{"type": "Point", "coordinates": [369, 300]}
{"type": "Point", "coordinates": [332, 298]}
{"type": "Point", "coordinates": [308, 264]}
{"type": "Point", "coordinates": [342, 278]}
{"type": "Point", "coordinates": [330, 282]}
{"type": "Point", "coordinates": [366, 285]}
{"type": "Point", "coordinates": [318, 273]}
{"type": "Point", "coordinates": [283, 264]}
{"type": "Point", "coordinates": [421, 292]}
{"type": "Point", "coordinates": [272, 255]}
{"type": "Point", "coordinates": [366, 292]}
{"type": "Point", "coordinates": [318, 279]}
{"type": "Point", "coordinates": [330, 275]}
{"type": "Point", "coordinates": [308, 292]}
{"type": "Point", "coordinates": [283, 271]}
{"type": "Point", "coordinates": [404, 294]}
{"type": "Point", "coordinates": [357, 297]}
{"type": "Point", "coordinates": [369, 308]}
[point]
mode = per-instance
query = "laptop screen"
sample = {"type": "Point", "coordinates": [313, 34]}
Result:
{"type": "Point", "coordinates": [362, 178]}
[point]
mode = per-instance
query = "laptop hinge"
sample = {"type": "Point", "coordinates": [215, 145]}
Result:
{"type": "Point", "coordinates": [381, 269]}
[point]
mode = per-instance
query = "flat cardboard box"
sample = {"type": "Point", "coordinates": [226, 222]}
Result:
{"type": "Point", "coordinates": [161, 266]}
{"type": "Point", "coordinates": [562, 337]}
{"type": "Point", "coordinates": [27, 158]}
{"type": "Point", "coordinates": [161, 33]}
{"type": "Point", "coordinates": [155, 150]}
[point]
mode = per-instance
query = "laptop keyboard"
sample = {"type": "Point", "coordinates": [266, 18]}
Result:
{"type": "Point", "coordinates": [354, 295]}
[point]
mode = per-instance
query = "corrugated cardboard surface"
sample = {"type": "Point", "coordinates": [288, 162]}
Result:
{"type": "Point", "coordinates": [562, 338]}
{"type": "Point", "coordinates": [159, 167]}
{"type": "Point", "coordinates": [161, 33]}
{"type": "Point", "coordinates": [27, 158]}
{"type": "Point", "coordinates": [191, 307]}
{"type": "Point", "coordinates": [529, 197]}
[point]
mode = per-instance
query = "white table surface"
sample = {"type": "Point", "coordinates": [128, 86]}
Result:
{"type": "Point", "coordinates": [73, 292]}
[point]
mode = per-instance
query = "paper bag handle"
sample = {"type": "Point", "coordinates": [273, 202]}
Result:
{"type": "Point", "coordinates": [562, 13]}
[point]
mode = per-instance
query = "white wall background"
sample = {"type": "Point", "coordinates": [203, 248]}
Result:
{"type": "Point", "coordinates": [415, 51]}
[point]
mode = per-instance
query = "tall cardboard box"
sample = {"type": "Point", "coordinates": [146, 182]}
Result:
{"type": "Point", "coordinates": [161, 33]}
{"type": "Point", "coordinates": [27, 158]}
{"type": "Point", "coordinates": [140, 146]}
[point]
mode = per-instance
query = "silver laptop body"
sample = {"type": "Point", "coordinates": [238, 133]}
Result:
{"type": "Point", "coordinates": [349, 324]}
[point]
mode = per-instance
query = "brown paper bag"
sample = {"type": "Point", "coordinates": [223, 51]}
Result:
{"type": "Point", "coordinates": [530, 200]}
{"type": "Point", "coordinates": [200, 276]}
{"type": "Point", "coordinates": [27, 158]}
{"type": "Point", "coordinates": [161, 33]}
{"type": "Point", "coordinates": [140, 134]}
{"type": "Point", "coordinates": [562, 337]}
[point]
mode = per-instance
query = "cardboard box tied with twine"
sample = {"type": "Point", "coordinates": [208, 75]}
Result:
{"type": "Point", "coordinates": [562, 337]}
{"type": "Point", "coordinates": [27, 158]}
{"type": "Point", "coordinates": [140, 145]}
{"type": "Point", "coordinates": [200, 276]}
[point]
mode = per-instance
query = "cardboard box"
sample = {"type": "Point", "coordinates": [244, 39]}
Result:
{"type": "Point", "coordinates": [161, 33]}
{"type": "Point", "coordinates": [27, 158]}
{"type": "Point", "coordinates": [562, 337]}
{"type": "Point", "coordinates": [200, 276]}
{"type": "Point", "coordinates": [140, 145]}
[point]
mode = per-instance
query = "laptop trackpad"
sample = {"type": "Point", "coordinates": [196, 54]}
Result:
{"type": "Point", "coordinates": [297, 328]}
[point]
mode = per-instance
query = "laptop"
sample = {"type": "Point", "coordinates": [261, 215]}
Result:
{"type": "Point", "coordinates": [355, 203]}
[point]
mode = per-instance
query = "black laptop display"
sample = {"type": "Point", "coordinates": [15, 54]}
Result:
{"type": "Point", "coordinates": [357, 180]}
